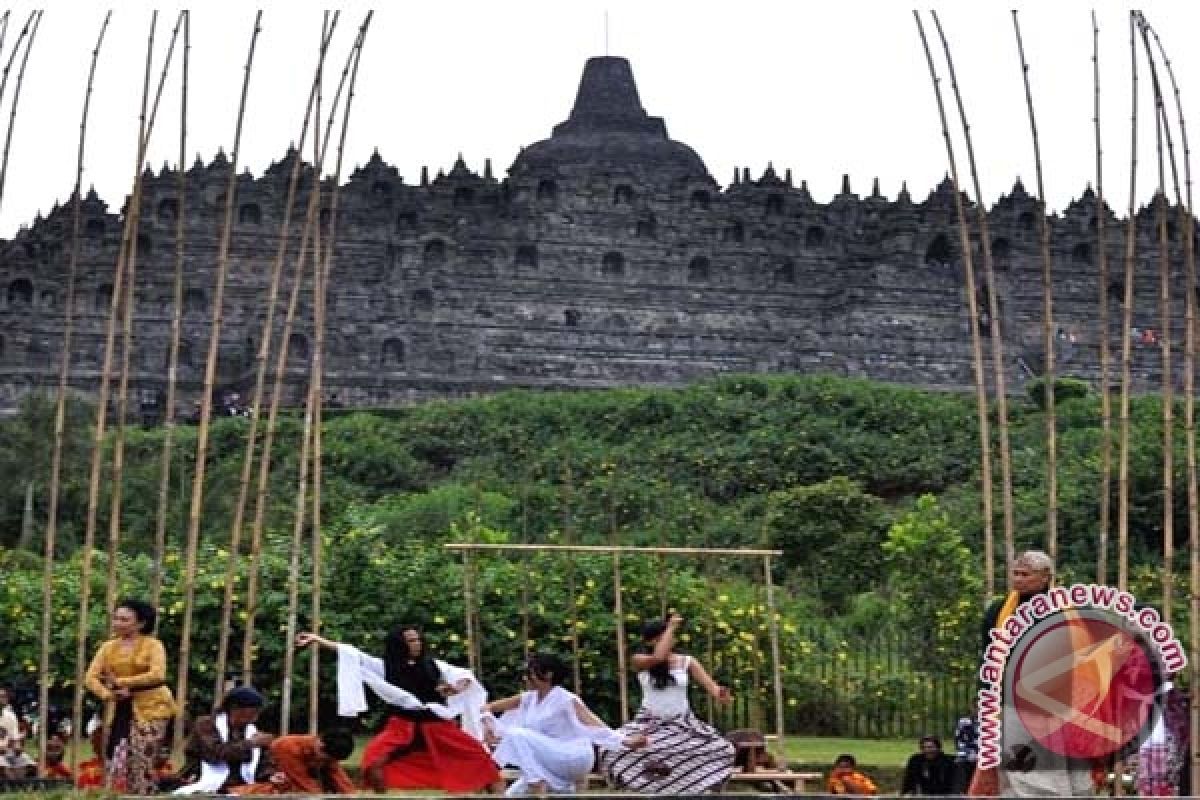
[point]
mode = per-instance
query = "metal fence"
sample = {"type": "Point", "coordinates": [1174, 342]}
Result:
{"type": "Point", "coordinates": [890, 685]}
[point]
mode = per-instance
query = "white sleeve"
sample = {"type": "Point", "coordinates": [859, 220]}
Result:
{"type": "Point", "coordinates": [600, 735]}
{"type": "Point", "coordinates": [465, 704]}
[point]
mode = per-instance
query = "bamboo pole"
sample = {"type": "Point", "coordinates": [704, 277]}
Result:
{"type": "Point", "coordinates": [1126, 326]}
{"type": "Point", "coordinates": [210, 368]}
{"type": "Point", "coordinates": [1048, 331]}
{"type": "Point", "coordinates": [314, 661]}
{"type": "Point", "coordinates": [308, 436]}
{"type": "Point", "coordinates": [572, 600]}
{"type": "Point", "coordinates": [164, 480]}
{"type": "Point", "coordinates": [281, 362]}
{"type": "Point", "coordinates": [525, 629]}
{"type": "Point", "coordinates": [981, 399]}
{"type": "Point", "coordinates": [1105, 354]}
{"type": "Point", "coordinates": [618, 607]}
{"type": "Point", "coordinates": [4, 20]}
{"type": "Point", "coordinates": [60, 413]}
{"type": "Point", "coordinates": [35, 19]}
{"type": "Point", "coordinates": [1188, 225]}
{"type": "Point", "coordinates": [625, 548]}
{"type": "Point", "coordinates": [301, 504]}
{"type": "Point", "coordinates": [264, 464]}
{"type": "Point", "coordinates": [261, 360]}
{"type": "Point", "coordinates": [998, 358]}
{"type": "Point", "coordinates": [97, 459]}
{"type": "Point", "coordinates": [325, 264]}
{"type": "Point", "coordinates": [133, 224]}
{"type": "Point", "coordinates": [1162, 129]}
{"type": "Point", "coordinates": [773, 629]}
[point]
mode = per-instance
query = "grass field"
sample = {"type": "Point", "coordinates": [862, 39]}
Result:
{"type": "Point", "coordinates": [816, 750]}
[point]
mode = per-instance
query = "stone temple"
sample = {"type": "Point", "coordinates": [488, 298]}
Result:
{"type": "Point", "coordinates": [609, 256]}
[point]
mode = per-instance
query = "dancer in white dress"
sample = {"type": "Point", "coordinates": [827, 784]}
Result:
{"type": "Point", "coordinates": [548, 733]}
{"type": "Point", "coordinates": [685, 755]}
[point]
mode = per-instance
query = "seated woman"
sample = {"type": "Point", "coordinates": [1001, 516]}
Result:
{"type": "Point", "coordinates": [548, 733]}
{"type": "Point", "coordinates": [226, 753]}
{"type": "Point", "coordinates": [420, 746]}
{"type": "Point", "coordinates": [846, 779]}
{"type": "Point", "coordinates": [687, 755]}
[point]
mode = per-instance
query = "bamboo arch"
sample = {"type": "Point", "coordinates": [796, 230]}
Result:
{"type": "Point", "coordinates": [468, 549]}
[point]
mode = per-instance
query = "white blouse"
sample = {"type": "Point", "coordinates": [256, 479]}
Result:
{"type": "Point", "coordinates": [671, 700]}
{"type": "Point", "coordinates": [555, 716]}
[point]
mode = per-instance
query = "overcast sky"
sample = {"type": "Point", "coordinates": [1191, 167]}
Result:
{"type": "Point", "coordinates": [821, 88]}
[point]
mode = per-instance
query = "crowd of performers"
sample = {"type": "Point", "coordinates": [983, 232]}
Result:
{"type": "Point", "coordinates": [440, 732]}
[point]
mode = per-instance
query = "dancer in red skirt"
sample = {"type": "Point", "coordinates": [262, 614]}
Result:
{"type": "Point", "coordinates": [420, 745]}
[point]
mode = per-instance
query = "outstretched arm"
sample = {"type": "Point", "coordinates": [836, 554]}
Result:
{"type": "Point", "coordinates": [503, 704]}
{"type": "Point", "coordinates": [306, 638]}
{"type": "Point", "coordinates": [697, 673]}
{"type": "Point", "coordinates": [662, 647]}
{"type": "Point", "coordinates": [588, 718]}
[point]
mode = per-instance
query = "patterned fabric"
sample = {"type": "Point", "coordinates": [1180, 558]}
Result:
{"type": "Point", "coordinates": [1154, 778]}
{"type": "Point", "coordinates": [140, 752]}
{"type": "Point", "coordinates": [685, 756]}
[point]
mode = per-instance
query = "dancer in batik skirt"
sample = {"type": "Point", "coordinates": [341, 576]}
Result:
{"type": "Point", "coordinates": [548, 733]}
{"type": "Point", "coordinates": [129, 673]}
{"type": "Point", "coordinates": [420, 746]}
{"type": "Point", "coordinates": [685, 754]}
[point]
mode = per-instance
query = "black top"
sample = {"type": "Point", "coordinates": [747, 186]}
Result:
{"type": "Point", "coordinates": [420, 677]}
{"type": "Point", "coordinates": [928, 776]}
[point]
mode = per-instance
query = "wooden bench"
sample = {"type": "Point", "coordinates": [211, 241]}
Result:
{"type": "Point", "coordinates": [781, 780]}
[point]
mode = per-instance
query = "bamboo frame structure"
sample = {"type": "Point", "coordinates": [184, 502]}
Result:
{"type": "Point", "coordinates": [97, 457]}
{"type": "Point", "coordinates": [60, 410]}
{"type": "Point", "coordinates": [618, 607]}
{"type": "Point", "coordinates": [1126, 327]}
{"type": "Point", "coordinates": [624, 548]}
{"type": "Point", "coordinates": [321, 146]}
{"type": "Point", "coordinates": [525, 627]}
{"type": "Point", "coordinates": [309, 438]}
{"type": "Point", "coordinates": [1188, 225]}
{"type": "Point", "coordinates": [981, 397]}
{"type": "Point", "coordinates": [1048, 328]}
{"type": "Point", "coordinates": [469, 548]}
{"type": "Point", "coordinates": [1168, 393]}
{"type": "Point", "coordinates": [996, 334]}
{"type": "Point", "coordinates": [133, 227]}
{"type": "Point", "coordinates": [210, 368]}
{"type": "Point", "coordinates": [264, 466]}
{"type": "Point", "coordinates": [1105, 354]}
{"type": "Point", "coordinates": [35, 19]}
{"type": "Point", "coordinates": [164, 480]}
{"type": "Point", "coordinates": [572, 587]}
{"type": "Point", "coordinates": [261, 360]}
{"type": "Point", "coordinates": [314, 662]}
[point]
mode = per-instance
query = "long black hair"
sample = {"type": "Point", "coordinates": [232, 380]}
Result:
{"type": "Point", "coordinates": [660, 673]}
{"type": "Point", "coordinates": [396, 655]}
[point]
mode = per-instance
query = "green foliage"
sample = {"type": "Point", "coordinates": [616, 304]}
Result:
{"type": "Point", "coordinates": [817, 526]}
{"type": "Point", "coordinates": [935, 582]}
{"type": "Point", "coordinates": [832, 471]}
{"type": "Point", "coordinates": [1064, 389]}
